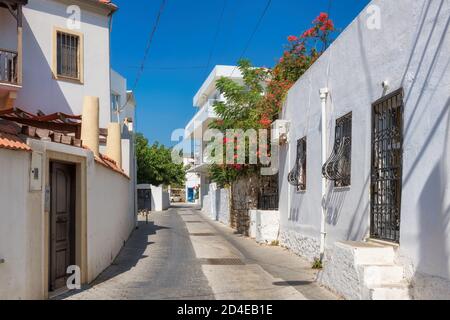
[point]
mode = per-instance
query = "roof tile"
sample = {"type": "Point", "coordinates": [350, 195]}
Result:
{"type": "Point", "coordinates": [12, 142]}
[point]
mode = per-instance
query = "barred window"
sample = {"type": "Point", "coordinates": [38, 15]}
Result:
{"type": "Point", "coordinates": [338, 167]}
{"type": "Point", "coordinates": [68, 55]}
{"type": "Point", "coordinates": [297, 177]}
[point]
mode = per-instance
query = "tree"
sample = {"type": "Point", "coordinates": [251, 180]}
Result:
{"type": "Point", "coordinates": [155, 164]}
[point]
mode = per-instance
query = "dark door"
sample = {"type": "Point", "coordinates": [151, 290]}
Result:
{"type": "Point", "coordinates": [387, 158]}
{"type": "Point", "coordinates": [62, 223]}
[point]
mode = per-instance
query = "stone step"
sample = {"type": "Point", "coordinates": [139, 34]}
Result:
{"type": "Point", "coordinates": [374, 255]}
{"type": "Point", "coordinates": [375, 276]}
{"type": "Point", "coordinates": [391, 292]}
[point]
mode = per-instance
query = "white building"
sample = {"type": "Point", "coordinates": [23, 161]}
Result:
{"type": "Point", "coordinates": [123, 111]}
{"type": "Point", "coordinates": [204, 100]}
{"type": "Point", "coordinates": [385, 230]}
{"type": "Point", "coordinates": [64, 202]}
{"type": "Point", "coordinates": [53, 62]}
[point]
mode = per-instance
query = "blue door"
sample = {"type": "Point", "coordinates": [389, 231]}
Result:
{"type": "Point", "coordinates": [190, 194]}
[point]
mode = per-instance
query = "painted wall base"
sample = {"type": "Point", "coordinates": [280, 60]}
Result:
{"type": "Point", "coordinates": [364, 271]}
{"type": "Point", "coordinates": [264, 225]}
{"type": "Point", "coordinates": [305, 247]}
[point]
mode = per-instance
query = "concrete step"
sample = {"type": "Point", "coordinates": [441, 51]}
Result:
{"type": "Point", "coordinates": [374, 255]}
{"type": "Point", "coordinates": [375, 276]}
{"type": "Point", "coordinates": [391, 292]}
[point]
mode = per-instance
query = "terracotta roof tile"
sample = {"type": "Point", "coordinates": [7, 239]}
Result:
{"type": "Point", "coordinates": [12, 142]}
{"type": "Point", "coordinates": [110, 164]}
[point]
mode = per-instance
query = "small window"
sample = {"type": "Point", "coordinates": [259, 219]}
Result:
{"type": "Point", "coordinates": [115, 106]}
{"type": "Point", "coordinates": [68, 60]}
{"type": "Point", "coordinates": [338, 166]}
{"type": "Point", "coordinates": [297, 177]}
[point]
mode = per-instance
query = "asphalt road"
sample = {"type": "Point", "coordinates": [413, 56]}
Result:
{"type": "Point", "coordinates": [181, 254]}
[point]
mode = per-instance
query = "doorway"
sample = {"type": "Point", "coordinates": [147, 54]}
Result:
{"type": "Point", "coordinates": [387, 167]}
{"type": "Point", "coordinates": [62, 222]}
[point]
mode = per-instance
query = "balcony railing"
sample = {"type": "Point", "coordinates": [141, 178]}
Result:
{"type": "Point", "coordinates": [8, 66]}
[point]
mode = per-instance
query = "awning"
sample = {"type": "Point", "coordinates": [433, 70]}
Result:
{"type": "Point", "coordinates": [201, 169]}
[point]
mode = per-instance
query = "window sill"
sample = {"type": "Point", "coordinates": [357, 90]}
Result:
{"type": "Point", "coordinates": [341, 189]}
{"type": "Point", "coordinates": [68, 79]}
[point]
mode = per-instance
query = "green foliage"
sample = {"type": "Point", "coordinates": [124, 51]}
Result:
{"type": "Point", "coordinates": [155, 165]}
{"type": "Point", "coordinates": [241, 99]}
{"type": "Point", "coordinates": [317, 264]}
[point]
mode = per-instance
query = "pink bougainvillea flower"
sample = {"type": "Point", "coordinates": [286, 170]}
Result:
{"type": "Point", "coordinates": [327, 26]}
{"type": "Point", "coordinates": [265, 121]}
{"type": "Point", "coordinates": [321, 18]}
{"type": "Point", "coordinates": [309, 33]}
{"type": "Point", "coordinates": [292, 38]}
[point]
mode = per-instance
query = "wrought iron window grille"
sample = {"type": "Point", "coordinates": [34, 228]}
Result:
{"type": "Point", "coordinates": [387, 167]}
{"type": "Point", "coordinates": [297, 177]}
{"type": "Point", "coordinates": [338, 166]}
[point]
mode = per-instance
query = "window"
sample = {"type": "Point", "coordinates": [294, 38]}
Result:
{"type": "Point", "coordinates": [338, 166]}
{"type": "Point", "coordinates": [68, 60]}
{"type": "Point", "coordinates": [297, 177]}
{"type": "Point", "coordinates": [115, 107]}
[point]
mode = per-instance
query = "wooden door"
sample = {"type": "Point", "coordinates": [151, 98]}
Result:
{"type": "Point", "coordinates": [62, 223]}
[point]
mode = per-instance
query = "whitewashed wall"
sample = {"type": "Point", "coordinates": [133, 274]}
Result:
{"type": "Point", "coordinates": [40, 90]}
{"type": "Point", "coordinates": [110, 220]}
{"type": "Point", "coordinates": [20, 232]}
{"type": "Point", "coordinates": [411, 50]}
{"type": "Point", "coordinates": [216, 204]}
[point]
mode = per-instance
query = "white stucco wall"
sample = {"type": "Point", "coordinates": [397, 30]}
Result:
{"type": "Point", "coordinates": [160, 199]}
{"type": "Point", "coordinates": [264, 225]}
{"type": "Point", "coordinates": [110, 221]}
{"type": "Point", "coordinates": [20, 232]}
{"type": "Point", "coordinates": [40, 90]}
{"type": "Point", "coordinates": [411, 53]}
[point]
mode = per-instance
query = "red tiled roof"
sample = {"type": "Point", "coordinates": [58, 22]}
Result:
{"type": "Point", "coordinates": [110, 164]}
{"type": "Point", "coordinates": [12, 142]}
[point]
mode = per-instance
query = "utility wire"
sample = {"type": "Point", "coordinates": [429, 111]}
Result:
{"type": "Point", "coordinates": [146, 53]}
{"type": "Point", "coordinates": [258, 24]}
{"type": "Point", "coordinates": [213, 47]}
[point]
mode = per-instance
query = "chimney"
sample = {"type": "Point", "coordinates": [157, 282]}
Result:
{"type": "Point", "coordinates": [90, 124]}
{"type": "Point", "coordinates": [114, 143]}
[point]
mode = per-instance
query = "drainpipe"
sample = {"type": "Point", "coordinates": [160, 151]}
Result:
{"type": "Point", "coordinates": [323, 98]}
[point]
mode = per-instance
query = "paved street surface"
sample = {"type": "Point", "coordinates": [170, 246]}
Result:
{"type": "Point", "coordinates": [181, 254]}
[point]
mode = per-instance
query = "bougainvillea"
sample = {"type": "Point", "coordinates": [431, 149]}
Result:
{"type": "Point", "coordinates": [257, 103]}
{"type": "Point", "coordinates": [300, 53]}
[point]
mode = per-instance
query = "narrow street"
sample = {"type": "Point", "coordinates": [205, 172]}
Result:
{"type": "Point", "coordinates": [181, 254]}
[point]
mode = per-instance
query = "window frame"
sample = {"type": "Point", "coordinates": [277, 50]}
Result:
{"type": "Point", "coordinates": [340, 132]}
{"type": "Point", "coordinates": [303, 140]}
{"type": "Point", "coordinates": [80, 56]}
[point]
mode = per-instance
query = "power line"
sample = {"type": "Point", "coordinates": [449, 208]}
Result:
{"type": "Point", "coordinates": [213, 47]}
{"type": "Point", "coordinates": [149, 43]}
{"type": "Point", "coordinates": [258, 24]}
{"type": "Point", "coordinates": [147, 51]}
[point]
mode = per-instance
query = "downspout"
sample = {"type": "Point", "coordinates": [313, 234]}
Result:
{"type": "Point", "coordinates": [323, 98]}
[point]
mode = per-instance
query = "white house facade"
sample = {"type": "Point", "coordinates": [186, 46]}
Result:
{"type": "Point", "coordinates": [384, 231]}
{"type": "Point", "coordinates": [61, 61]}
{"type": "Point", "coordinates": [66, 198]}
{"type": "Point", "coordinates": [194, 132]}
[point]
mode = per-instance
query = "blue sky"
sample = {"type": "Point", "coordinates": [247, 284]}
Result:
{"type": "Point", "coordinates": [177, 63]}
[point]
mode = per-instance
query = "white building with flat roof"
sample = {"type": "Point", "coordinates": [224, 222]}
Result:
{"type": "Point", "coordinates": [204, 101]}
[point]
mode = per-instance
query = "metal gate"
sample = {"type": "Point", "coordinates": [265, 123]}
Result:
{"type": "Point", "coordinates": [387, 156]}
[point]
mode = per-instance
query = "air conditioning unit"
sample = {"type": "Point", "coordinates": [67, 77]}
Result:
{"type": "Point", "coordinates": [280, 131]}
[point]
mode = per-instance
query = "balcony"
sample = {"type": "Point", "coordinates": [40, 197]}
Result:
{"type": "Point", "coordinates": [200, 122]}
{"type": "Point", "coordinates": [11, 58]}
{"type": "Point", "coordinates": [8, 67]}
